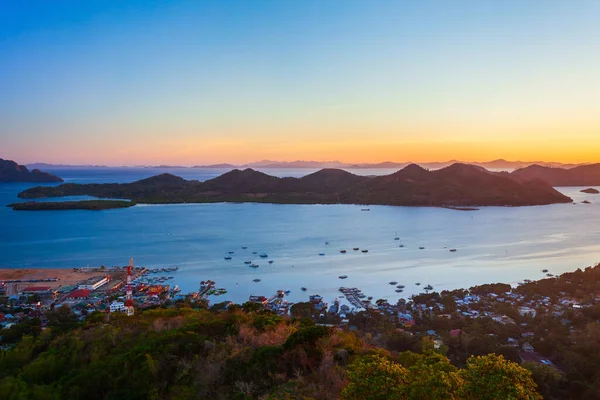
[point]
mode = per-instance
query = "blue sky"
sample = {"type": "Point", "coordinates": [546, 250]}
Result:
{"type": "Point", "coordinates": [187, 82]}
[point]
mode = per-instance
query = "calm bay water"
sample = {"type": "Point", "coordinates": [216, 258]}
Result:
{"type": "Point", "coordinates": [494, 244]}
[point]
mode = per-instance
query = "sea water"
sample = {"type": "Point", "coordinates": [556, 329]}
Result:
{"type": "Point", "coordinates": [494, 244]}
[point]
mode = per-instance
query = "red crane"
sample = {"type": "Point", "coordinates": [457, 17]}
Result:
{"type": "Point", "coordinates": [129, 293]}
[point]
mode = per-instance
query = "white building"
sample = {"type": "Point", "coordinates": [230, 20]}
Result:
{"type": "Point", "coordinates": [117, 306]}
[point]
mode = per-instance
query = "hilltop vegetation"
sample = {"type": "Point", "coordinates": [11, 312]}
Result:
{"type": "Point", "coordinates": [94, 205]}
{"type": "Point", "coordinates": [241, 353]}
{"type": "Point", "coordinates": [456, 185]}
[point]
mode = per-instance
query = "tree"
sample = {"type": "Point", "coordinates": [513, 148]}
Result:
{"type": "Point", "coordinates": [432, 377]}
{"type": "Point", "coordinates": [492, 377]}
{"type": "Point", "coordinates": [374, 378]}
{"type": "Point", "coordinates": [302, 310]}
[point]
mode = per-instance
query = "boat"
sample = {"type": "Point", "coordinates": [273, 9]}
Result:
{"type": "Point", "coordinates": [396, 236]}
{"type": "Point", "coordinates": [256, 280]}
{"type": "Point", "coordinates": [428, 287]}
{"type": "Point", "coordinates": [393, 282]}
{"type": "Point", "coordinates": [247, 262]}
{"type": "Point", "coordinates": [399, 290]}
{"type": "Point", "coordinates": [254, 252]}
{"type": "Point", "coordinates": [365, 251]}
{"type": "Point", "coordinates": [400, 286]}
{"type": "Point", "coordinates": [365, 209]}
{"type": "Point", "coordinates": [321, 254]}
{"type": "Point", "coordinates": [303, 289]}
{"type": "Point", "coordinates": [343, 276]}
{"type": "Point", "coordinates": [421, 248]}
{"type": "Point", "coordinates": [544, 270]}
{"type": "Point", "coordinates": [401, 245]}
{"type": "Point", "coordinates": [549, 275]}
{"type": "Point", "coordinates": [254, 266]}
{"type": "Point", "coordinates": [244, 247]}
{"type": "Point", "coordinates": [370, 298]}
{"type": "Point", "coordinates": [342, 251]}
{"type": "Point", "coordinates": [452, 250]}
{"type": "Point", "coordinates": [287, 291]}
{"type": "Point", "coordinates": [231, 252]}
{"type": "Point", "coordinates": [270, 261]}
{"type": "Point", "coordinates": [264, 255]}
{"type": "Point", "coordinates": [418, 283]}
{"type": "Point", "coordinates": [355, 249]}
{"type": "Point", "coordinates": [228, 258]}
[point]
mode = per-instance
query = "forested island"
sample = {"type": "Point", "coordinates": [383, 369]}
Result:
{"type": "Point", "coordinates": [458, 185]}
{"type": "Point", "coordinates": [94, 205]}
{"type": "Point", "coordinates": [10, 171]}
{"type": "Point", "coordinates": [583, 175]}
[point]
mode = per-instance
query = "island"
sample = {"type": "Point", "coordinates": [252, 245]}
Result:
{"type": "Point", "coordinates": [590, 191]}
{"type": "Point", "coordinates": [584, 175]}
{"type": "Point", "coordinates": [459, 185]}
{"type": "Point", "coordinates": [94, 205]}
{"type": "Point", "coordinates": [10, 171]}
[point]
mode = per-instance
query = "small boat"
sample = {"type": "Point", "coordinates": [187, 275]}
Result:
{"type": "Point", "coordinates": [370, 298]}
{"type": "Point", "coordinates": [342, 251]}
{"type": "Point", "coordinates": [247, 262]}
{"type": "Point", "coordinates": [343, 276]}
{"type": "Point", "coordinates": [428, 287]}
{"type": "Point", "coordinates": [228, 258]}
{"type": "Point", "coordinates": [544, 270]}
{"type": "Point", "coordinates": [326, 242]}
{"type": "Point", "coordinates": [264, 255]}
{"type": "Point", "coordinates": [400, 286]}
{"type": "Point", "coordinates": [396, 236]}
{"type": "Point", "coordinates": [393, 282]}
{"type": "Point", "coordinates": [418, 283]}
{"type": "Point", "coordinates": [303, 289]}
{"type": "Point", "coordinates": [321, 254]}
{"type": "Point", "coordinates": [549, 275]}
{"type": "Point", "coordinates": [254, 252]}
{"type": "Point", "coordinates": [421, 248]}
{"type": "Point", "coordinates": [287, 291]}
{"type": "Point", "coordinates": [244, 247]}
{"type": "Point", "coordinates": [270, 261]}
{"type": "Point", "coordinates": [256, 280]}
{"type": "Point", "coordinates": [399, 290]}
{"type": "Point", "coordinates": [355, 249]}
{"type": "Point", "coordinates": [254, 266]}
{"type": "Point", "coordinates": [231, 252]}
{"type": "Point", "coordinates": [452, 250]}
{"type": "Point", "coordinates": [365, 251]}
{"type": "Point", "coordinates": [401, 245]}
{"type": "Point", "coordinates": [365, 209]}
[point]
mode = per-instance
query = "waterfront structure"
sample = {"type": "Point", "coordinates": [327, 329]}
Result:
{"type": "Point", "coordinates": [94, 282]}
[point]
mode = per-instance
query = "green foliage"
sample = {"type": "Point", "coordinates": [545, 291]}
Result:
{"type": "Point", "coordinates": [306, 336]}
{"type": "Point", "coordinates": [374, 378]}
{"type": "Point", "coordinates": [492, 377]}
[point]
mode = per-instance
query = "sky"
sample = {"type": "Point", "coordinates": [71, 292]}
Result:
{"type": "Point", "coordinates": [198, 82]}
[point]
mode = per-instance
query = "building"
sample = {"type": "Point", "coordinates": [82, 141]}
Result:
{"type": "Point", "coordinates": [80, 294]}
{"type": "Point", "coordinates": [37, 290]}
{"type": "Point", "coordinates": [94, 282]}
{"type": "Point", "coordinates": [117, 306]}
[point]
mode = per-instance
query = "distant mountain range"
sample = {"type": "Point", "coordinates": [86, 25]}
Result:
{"type": "Point", "coordinates": [10, 171]}
{"type": "Point", "coordinates": [458, 185]}
{"type": "Point", "coordinates": [499, 164]}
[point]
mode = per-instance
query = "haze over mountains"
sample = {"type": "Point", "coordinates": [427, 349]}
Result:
{"type": "Point", "coordinates": [494, 164]}
{"type": "Point", "coordinates": [453, 186]}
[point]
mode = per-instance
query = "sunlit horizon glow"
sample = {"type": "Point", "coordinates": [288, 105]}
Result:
{"type": "Point", "coordinates": [189, 83]}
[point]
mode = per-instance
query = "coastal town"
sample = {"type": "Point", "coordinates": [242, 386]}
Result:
{"type": "Point", "coordinates": [514, 320]}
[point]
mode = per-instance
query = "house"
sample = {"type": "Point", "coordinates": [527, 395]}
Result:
{"type": "Point", "coordinates": [527, 311]}
{"type": "Point", "coordinates": [79, 294]}
{"type": "Point", "coordinates": [527, 347]}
